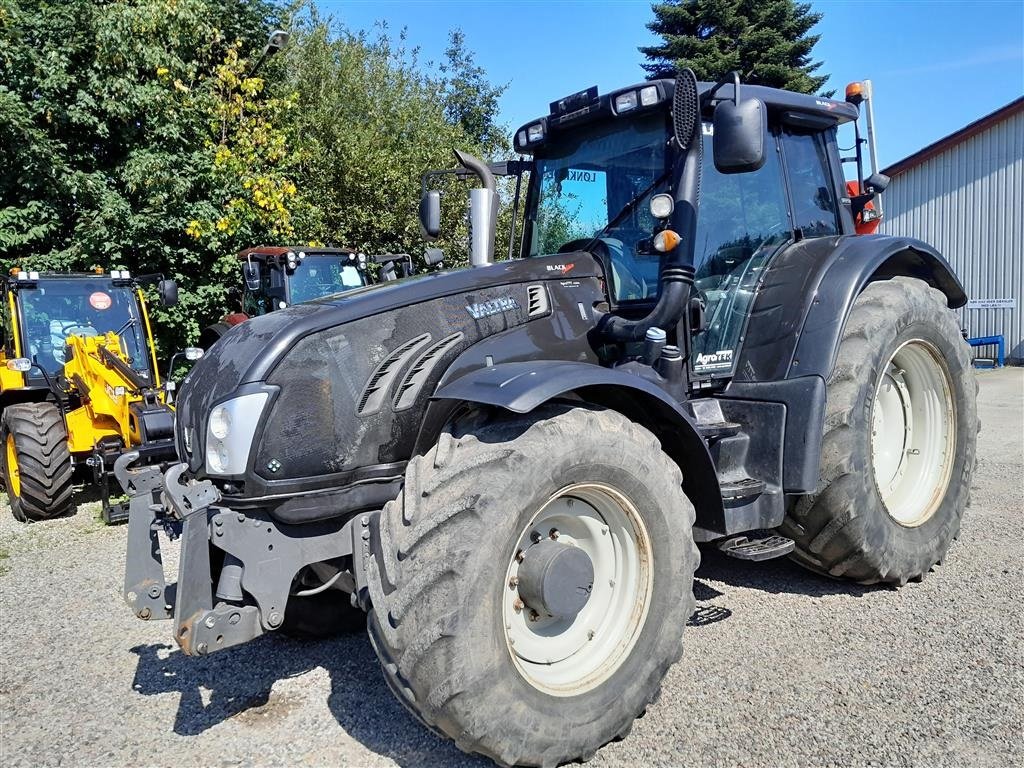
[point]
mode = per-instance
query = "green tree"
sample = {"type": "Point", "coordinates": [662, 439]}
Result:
{"type": "Point", "coordinates": [766, 41]}
{"type": "Point", "coordinates": [470, 100]}
{"type": "Point", "coordinates": [106, 113]}
{"type": "Point", "coordinates": [134, 135]}
{"type": "Point", "coordinates": [371, 119]}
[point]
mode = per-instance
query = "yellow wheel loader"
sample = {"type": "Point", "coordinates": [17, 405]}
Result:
{"type": "Point", "coordinates": [79, 385]}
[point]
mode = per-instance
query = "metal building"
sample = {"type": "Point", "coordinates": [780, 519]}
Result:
{"type": "Point", "coordinates": [964, 195]}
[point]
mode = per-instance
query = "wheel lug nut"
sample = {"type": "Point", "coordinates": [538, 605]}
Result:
{"type": "Point", "coordinates": [534, 615]}
{"type": "Point", "coordinates": [518, 605]}
{"type": "Point", "coordinates": [553, 533]}
{"type": "Point", "coordinates": [535, 537]}
{"type": "Point", "coordinates": [519, 556]}
{"type": "Point", "coordinates": [513, 582]}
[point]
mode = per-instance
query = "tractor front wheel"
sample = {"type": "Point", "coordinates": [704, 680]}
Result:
{"type": "Point", "coordinates": [36, 461]}
{"type": "Point", "coordinates": [534, 579]}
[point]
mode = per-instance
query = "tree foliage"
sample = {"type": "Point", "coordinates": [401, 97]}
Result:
{"type": "Point", "coordinates": [767, 41]}
{"type": "Point", "coordinates": [105, 119]}
{"type": "Point", "coordinates": [134, 134]}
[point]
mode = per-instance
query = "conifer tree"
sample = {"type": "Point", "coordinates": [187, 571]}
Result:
{"type": "Point", "coordinates": [767, 41]}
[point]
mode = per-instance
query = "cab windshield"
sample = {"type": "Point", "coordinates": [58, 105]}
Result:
{"type": "Point", "coordinates": [319, 276]}
{"type": "Point", "coordinates": [582, 180]}
{"type": "Point", "coordinates": [58, 308]}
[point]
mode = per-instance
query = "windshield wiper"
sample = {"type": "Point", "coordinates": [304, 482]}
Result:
{"type": "Point", "coordinates": [128, 324]}
{"type": "Point", "coordinates": [627, 209]}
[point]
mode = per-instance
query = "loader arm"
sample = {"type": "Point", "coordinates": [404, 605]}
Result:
{"type": "Point", "coordinates": [113, 394]}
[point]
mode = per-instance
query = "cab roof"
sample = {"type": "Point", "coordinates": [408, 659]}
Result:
{"type": "Point", "coordinates": [587, 105]}
{"type": "Point", "coordinates": [276, 251]}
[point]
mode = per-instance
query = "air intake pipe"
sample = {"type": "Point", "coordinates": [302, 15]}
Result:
{"type": "Point", "coordinates": [483, 211]}
{"type": "Point", "coordinates": [677, 272]}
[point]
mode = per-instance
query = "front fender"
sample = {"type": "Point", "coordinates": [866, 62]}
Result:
{"type": "Point", "coordinates": [523, 386]}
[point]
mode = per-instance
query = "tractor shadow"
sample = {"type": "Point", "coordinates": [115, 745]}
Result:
{"type": "Point", "coordinates": [237, 684]}
{"type": "Point", "coordinates": [777, 576]}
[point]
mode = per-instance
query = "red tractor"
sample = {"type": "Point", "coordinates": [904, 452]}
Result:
{"type": "Point", "coordinates": [279, 276]}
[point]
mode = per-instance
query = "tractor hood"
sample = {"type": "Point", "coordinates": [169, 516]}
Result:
{"type": "Point", "coordinates": [338, 370]}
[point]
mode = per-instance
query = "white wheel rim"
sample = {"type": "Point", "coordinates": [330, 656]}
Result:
{"type": "Point", "coordinates": [568, 656]}
{"type": "Point", "coordinates": [913, 433]}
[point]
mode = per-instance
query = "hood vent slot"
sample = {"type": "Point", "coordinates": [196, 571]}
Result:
{"type": "Point", "coordinates": [537, 301]}
{"type": "Point", "coordinates": [417, 376]}
{"type": "Point", "coordinates": [384, 374]}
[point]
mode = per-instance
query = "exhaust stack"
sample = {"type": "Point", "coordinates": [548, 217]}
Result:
{"type": "Point", "coordinates": [483, 211]}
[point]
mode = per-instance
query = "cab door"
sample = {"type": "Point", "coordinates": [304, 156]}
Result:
{"type": "Point", "coordinates": [743, 220]}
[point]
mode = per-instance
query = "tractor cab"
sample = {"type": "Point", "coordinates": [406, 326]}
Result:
{"type": "Point", "coordinates": [610, 177]}
{"type": "Point", "coordinates": [274, 278]}
{"type": "Point", "coordinates": [277, 277]}
{"type": "Point", "coordinates": [43, 311]}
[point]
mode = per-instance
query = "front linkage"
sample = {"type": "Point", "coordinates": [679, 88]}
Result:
{"type": "Point", "coordinates": [260, 556]}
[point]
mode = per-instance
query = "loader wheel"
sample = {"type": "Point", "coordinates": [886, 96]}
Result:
{"type": "Point", "coordinates": [535, 577]}
{"type": "Point", "coordinates": [900, 440]}
{"type": "Point", "coordinates": [37, 464]}
{"type": "Point", "coordinates": [320, 616]}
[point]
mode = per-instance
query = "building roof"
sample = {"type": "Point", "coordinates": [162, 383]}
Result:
{"type": "Point", "coordinates": [972, 129]}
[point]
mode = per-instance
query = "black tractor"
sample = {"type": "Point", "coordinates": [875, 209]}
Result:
{"type": "Point", "coordinates": [509, 467]}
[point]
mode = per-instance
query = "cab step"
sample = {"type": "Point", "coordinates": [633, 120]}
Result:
{"type": "Point", "coordinates": [757, 549]}
{"type": "Point", "coordinates": [718, 429]}
{"type": "Point", "coordinates": [741, 490]}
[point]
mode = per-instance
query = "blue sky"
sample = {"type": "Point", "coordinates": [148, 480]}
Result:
{"type": "Point", "coordinates": [936, 66]}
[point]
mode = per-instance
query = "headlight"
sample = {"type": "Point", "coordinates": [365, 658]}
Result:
{"type": "Point", "coordinates": [220, 422]}
{"type": "Point", "coordinates": [662, 206]}
{"type": "Point", "coordinates": [624, 102]}
{"type": "Point", "coordinates": [229, 433]}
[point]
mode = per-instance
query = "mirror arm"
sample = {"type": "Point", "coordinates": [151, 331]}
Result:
{"type": "Point", "coordinates": [733, 78]}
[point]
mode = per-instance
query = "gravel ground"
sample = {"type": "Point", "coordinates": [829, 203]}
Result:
{"type": "Point", "coordinates": [781, 667]}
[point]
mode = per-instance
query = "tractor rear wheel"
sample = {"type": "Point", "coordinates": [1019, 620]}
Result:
{"type": "Point", "coordinates": [37, 464]}
{"type": "Point", "coordinates": [534, 580]}
{"type": "Point", "coordinates": [900, 440]}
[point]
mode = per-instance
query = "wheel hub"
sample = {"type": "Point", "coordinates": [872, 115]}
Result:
{"type": "Point", "coordinates": [556, 579]}
{"type": "Point", "coordinates": [577, 589]}
{"type": "Point", "coordinates": [913, 433]}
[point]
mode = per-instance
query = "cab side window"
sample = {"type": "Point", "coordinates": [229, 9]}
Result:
{"type": "Point", "coordinates": [815, 212]}
{"type": "Point", "coordinates": [743, 220]}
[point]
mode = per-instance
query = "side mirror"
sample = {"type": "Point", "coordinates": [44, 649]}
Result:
{"type": "Point", "coordinates": [251, 275]}
{"type": "Point", "coordinates": [430, 214]}
{"type": "Point", "coordinates": [168, 290]}
{"type": "Point", "coordinates": [740, 131]}
{"type": "Point", "coordinates": [876, 182]}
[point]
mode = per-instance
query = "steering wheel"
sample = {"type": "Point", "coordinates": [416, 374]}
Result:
{"type": "Point", "coordinates": [627, 281]}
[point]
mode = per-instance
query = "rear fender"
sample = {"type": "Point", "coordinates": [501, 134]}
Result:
{"type": "Point", "coordinates": [521, 387]}
{"type": "Point", "coordinates": [807, 293]}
